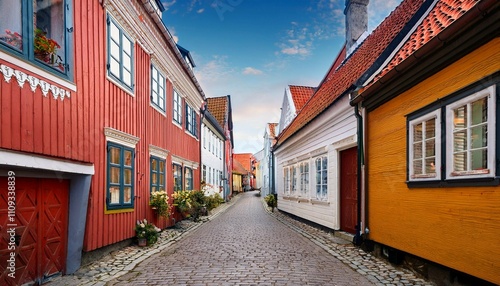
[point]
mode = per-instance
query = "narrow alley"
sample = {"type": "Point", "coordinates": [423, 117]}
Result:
{"type": "Point", "coordinates": [243, 246]}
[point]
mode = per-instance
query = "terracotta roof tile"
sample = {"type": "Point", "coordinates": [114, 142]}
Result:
{"type": "Point", "coordinates": [444, 13]}
{"type": "Point", "coordinates": [300, 95]}
{"type": "Point", "coordinates": [218, 107]}
{"type": "Point", "coordinates": [341, 79]}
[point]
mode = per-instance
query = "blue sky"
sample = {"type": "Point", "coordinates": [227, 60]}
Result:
{"type": "Point", "coordinates": [253, 49]}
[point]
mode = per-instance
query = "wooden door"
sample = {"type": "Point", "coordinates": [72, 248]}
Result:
{"type": "Point", "coordinates": [348, 190]}
{"type": "Point", "coordinates": [40, 223]}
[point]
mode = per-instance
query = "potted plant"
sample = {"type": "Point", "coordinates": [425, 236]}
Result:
{"type": "Point", "coordinates": [146, 233]}
{"type": "Point", "coordinates": [45, 48]}
{"type": "Point", "coordinates": [159, 202]}
{"type": "Point", "coordinates": [182, 201]}
{"type": "Point", "coordinates": [271, 201]}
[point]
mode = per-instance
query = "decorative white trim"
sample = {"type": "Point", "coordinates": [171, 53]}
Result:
{"type": "Point", "coordinates": [39, 72]}
{"type": "Point", "coordinates": [11, 158]}
{"type": "Point", "coordinates": [185, 162]}
{"type": "Point", "coordinates": [120, 137]}
{"type": "Point", "coordinates": [158, 152]}
{"type": "Point", "coordinates": [33, 81]}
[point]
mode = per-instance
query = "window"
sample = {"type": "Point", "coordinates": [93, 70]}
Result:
{"type": "Point", "coordinates": [191, 121]}
{"type": "Point", "coordinates": [322, 178]}
{"type": "Point", "coordinates": [204, 174]}
{"type": "Point", "coordinates": [120, 55]}
{"type": "Point", "coordinates": [204, 139]}
{"type": "Point", "coordinates": [470, 135]}
{"type": "Point", "coordinates": [304, 178]}
{"type": "Point", "coordinates": [294, 179]}
{"type": "Point", "coordinates": [454, 139]}
{"type": "Point", "coordinates": [177, 177]}
{"type": "Point", "coordinates": [177, 113]}
{"type": "Point", "coordinates": [425, 147]}
{"type": "Point", "coordinates": [188, 172]}
{"type": "Point", "coordinates": [286, 180]}
{"type": "Point", "coordinates": [40, 33]}
{"type": "Point", "coordinates": [157, 89]}
{"type": "Point", "coordinates": [157, 174]}
{"type": "Point", "coordinates": [120, 179]}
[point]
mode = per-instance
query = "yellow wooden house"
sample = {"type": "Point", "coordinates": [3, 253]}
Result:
{"type": "Point", "coordinates": [431, 140]}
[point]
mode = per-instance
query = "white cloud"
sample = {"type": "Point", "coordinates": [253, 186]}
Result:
{"type": "Point", "coordinates": [168, 4]}
{"type": "Point", "coordinates": [200, 11]}
{"type": "Point", "coordinates": [251, 71]}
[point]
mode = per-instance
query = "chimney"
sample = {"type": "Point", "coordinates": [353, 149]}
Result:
{"type": "Point", "coordinates": [356, 20]}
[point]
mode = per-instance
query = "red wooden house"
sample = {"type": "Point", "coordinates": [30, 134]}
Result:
{"type": "Point", "coordinates": [98, 108]}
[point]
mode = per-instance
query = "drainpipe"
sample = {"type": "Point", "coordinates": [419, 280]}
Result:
{"type": "Point", "coordinates": [358, 239]}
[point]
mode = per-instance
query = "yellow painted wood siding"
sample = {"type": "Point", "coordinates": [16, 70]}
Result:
{"type": "Point", "coordinates": [457, 227]}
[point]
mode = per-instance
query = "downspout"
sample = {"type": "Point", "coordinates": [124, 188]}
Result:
{"type": "Point", "coordinates": [358, 239]}
{"type": "Point", "coordinates": [202, 116]}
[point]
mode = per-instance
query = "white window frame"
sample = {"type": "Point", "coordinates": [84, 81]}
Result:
{"type": "Point", "coordinates": [177, 108]}
{"type": "Point", "coordinates": [425, 177]}
{"type": "Point", "coordinates": [321, 197]}
{"type": "Point", "coordinates": [158, 93]}
{"type": "Point", "coordinates": [286, 180]}
{"type": "Point", "coordinates": [488, 92]}
{"type": "Point", "coordinates": [304, 186]}
{"type": "Point", "coordinates": [121, 57]}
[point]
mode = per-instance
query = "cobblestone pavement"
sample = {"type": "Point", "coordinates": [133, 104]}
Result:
{"type": "Point", "coordinates": [240, 244]}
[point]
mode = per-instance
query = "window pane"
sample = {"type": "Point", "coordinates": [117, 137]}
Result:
{"type": "Point", "coordinates": [11, 23]}
{"type": "Point", "coordinates": [417, 167]}
{"type": "Point", "coordinates": [430, 167]}
{"type": "Point", "coordinates": [480, 111]}
{"type": "Point", "coordinates": [417, 133]}
{"type": "Point", "coordinates": [459, 141]}
{"type": "Point", "coordinates": [127, 45]}
{"type": "Point", "coordinates": [460, 162]}
{"type": "Point", "coordinates": [114, 50]}
{"type": "Point", "coordinates": [114, 193]}
{"type": "Point", "coordinates": [128, 158]}
{"type": "Point", "coordinates": [430, 148]}
{"type": "Point", "coordinates": [430, 129]}
{"type": "Point", "coordinates": [127, 78]}
{"type": "Point", "coordinates": [114, 32]}
{"type": "Point", "coordinates": [114, 156]}
{"type": "Point", "coordinates": [127, 63]}
{"type": "Point", "coordinates": [479, 136]}
{"type": "Point", "coordinates": [479, 159]}
{"type": "Point", "coordinates": [127, 195]}
{"type": "Point", "coordinates": [127, 176]}
{"type": "Point", "coordinates": [114, 67]}
{"type": "Point", "coordinates": [153, 189]}
{"type": "Point", "coordinates": [460, 117]}
{"type": "Point", "coordinates": [162, 166]}
{"type": "Point", "coordinates": [154, 164]}
{"type": "Point", "coordinates": [114, 175]}
{"type": "Point", "coordinates": [154, 179]}
{"type": "Point", "coordinates": [417, 150]}
{"type": "Point", "coordinates": [162, 180]}
{"type": "Point", "coordinates": [49, 35]}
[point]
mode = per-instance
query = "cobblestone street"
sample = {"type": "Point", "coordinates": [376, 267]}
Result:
{"type": "Point", "coordinates": [243, 244]}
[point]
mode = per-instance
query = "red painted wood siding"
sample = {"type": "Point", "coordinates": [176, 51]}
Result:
{"type": "Point", "coordinates": [74, 128]}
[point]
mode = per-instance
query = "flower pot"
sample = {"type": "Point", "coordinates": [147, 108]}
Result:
{"type": "Point", "coordinates": [142, 241]}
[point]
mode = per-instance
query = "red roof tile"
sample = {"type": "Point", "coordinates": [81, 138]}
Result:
{"type": "Point", "coordinates": [218, 107]}
{"type": "Point", "coordinates": [300, 95]}
{"type": "Point", "coordinates": [440, 17]}
{"type": "Point", "coordinates": [339, 80]}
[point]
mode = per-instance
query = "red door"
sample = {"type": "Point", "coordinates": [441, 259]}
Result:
{"type": "Point", "coordinates": [348, 190]}
{"type": "Point", "coordinates": [40, 224]}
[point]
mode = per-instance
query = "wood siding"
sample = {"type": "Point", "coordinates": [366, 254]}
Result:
{"type": "Point", "coordinates": [457, 227]}
{"type": "Point", "coordinates": [332, 131]}
{"type": "Point", "coordinates": [73, 128]}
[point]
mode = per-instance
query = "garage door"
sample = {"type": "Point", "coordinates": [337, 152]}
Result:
{"type": "Point", "coordinates": [39, 230]}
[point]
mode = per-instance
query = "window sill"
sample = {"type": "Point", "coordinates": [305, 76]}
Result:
{"type": "Point", "coordinates": [155, 107]}
{"type": "Point", "coordinates": [118, 211]}
{"type": "Point", "coordinates": [119, 84]}
{"type": "Point", "coordinates": [318, 202]}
